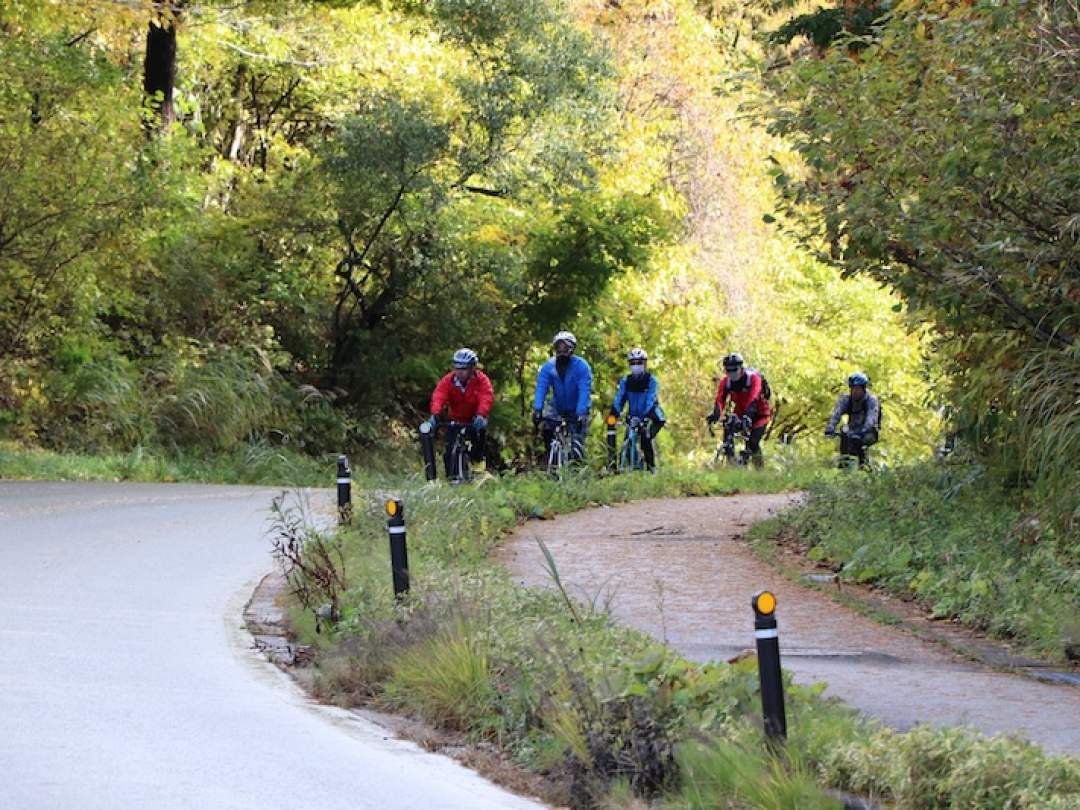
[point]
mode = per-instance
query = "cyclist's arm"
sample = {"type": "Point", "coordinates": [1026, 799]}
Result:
{"type": "Point", "coordinates": [485, 395]}
{"type": "Point", "coordinates": [721, 396]}
{"type": "Point", "coordinates": [440, 396]}
{"type": "Point", "coordinates": [584, 389]}
{"type": "Point", "coordinates": [873, 414]}
{"type": "Point", "coordinates": [838, 413]}
{"type": "Point", "coordinates": [753, 395]}
{"type": "Point", "coordinates": [543, 383]}
{"type": "Point", "coordinates": [620, 397]}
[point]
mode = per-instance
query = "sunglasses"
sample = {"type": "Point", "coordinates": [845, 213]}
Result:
{"type": "Point", "coordinates": [637, 362]}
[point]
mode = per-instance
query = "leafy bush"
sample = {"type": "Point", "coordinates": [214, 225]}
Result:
{"type": "Point", "coordinates": [954, 768]}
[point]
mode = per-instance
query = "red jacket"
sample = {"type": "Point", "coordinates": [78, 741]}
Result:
{"type": "Point", "coordinates": [749, 392]}
{"type": "Point", "coordinates": [476, 397]}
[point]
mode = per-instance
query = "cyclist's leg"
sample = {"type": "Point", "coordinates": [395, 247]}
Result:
{"type": "Point", "coordinates": [479, 441]}
{"type": "Point", "coordinates": [753, 444]}
{"type": "Point", "coordinates": [656, 424]}
{"type": "Point", "coordinates": [547, 428]}
{"type": "Point", "coordinates": [577, 438]}
{"type": "Point", "coordinates": [448, 452]}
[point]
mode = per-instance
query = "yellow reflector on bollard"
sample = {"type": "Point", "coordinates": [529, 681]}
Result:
{"type": "Point", "coordinates": [391, 508]}
{"type": "Point", "coordinates": [611, 420]}
{"type": "Point", "coordinates": [764, 603]}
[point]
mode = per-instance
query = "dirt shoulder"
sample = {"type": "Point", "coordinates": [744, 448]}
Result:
{"type": "Point", "coordinates": [681, 570]}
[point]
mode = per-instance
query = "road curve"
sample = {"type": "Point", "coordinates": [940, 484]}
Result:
{"type": "Point", "coordinates": [127, 680]}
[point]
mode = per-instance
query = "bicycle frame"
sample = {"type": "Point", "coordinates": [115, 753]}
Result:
{"type": "Point", "coordinates": [565, 447]}
{"type": "Point", "coordinates": [631, 457]}
{"type": "Point", "coordinates": [733, 430]}
{"type": "Point", "coordinates": [459, 451]}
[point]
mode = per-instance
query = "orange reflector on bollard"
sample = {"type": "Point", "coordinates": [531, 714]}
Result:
{"type": "Point", "coordinates": [611, 420]}
{"type": "Point", "coordinates": [764, 602]}
{"type": "Point", "coordinates": [391, 508]}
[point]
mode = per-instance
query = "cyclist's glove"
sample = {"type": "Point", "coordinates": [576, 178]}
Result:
{"type": "Point", "coordinates": [583, 420]}
{"type": "Point", "coordinates": [479, 422]}
{"type": "Point", "coordinates": [713, 417]}
{"type": "Point", "coordinates": [747, 423]}
{"type": "Point", "coordinates": [433, 421]}
{"type": "Point", "coordinates": [536, 418]}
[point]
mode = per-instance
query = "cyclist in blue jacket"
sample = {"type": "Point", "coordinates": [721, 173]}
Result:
{"type": "Point", "coordinates": [640, 390]}
{"type": "Point", "coordinates": [569, 379]}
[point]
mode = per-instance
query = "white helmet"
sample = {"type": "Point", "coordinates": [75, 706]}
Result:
{"type": "Point", "coordinates": [566, 337]}
{"type": "Point", "coordinates": [465, 358]}
{"type": "Point", "coordinates": [636, 355]}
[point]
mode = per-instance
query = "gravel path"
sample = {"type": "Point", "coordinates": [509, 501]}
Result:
{"type": "Point", "coordinates": [678, 570]}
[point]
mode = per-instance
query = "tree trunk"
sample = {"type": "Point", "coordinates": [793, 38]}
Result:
{"type": "Point", "coordinates": [159, 70]}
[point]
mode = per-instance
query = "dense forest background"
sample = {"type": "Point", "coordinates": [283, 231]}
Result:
{"type": "Point", "coordinates": [233, 222]}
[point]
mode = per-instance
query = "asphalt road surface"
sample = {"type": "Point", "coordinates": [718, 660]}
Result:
{"type": "Point", "coordinates": [127, 680]}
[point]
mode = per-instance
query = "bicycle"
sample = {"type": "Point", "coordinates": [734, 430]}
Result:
{"type": "Point", "coordinates": [734, 428]}
{"type": "Point", "coordinates": [852, 453]}
{"type": "Point", "coordinates": [565, 447]}
{"type": "Point", "coordinates": [632, 456]}
{"type": "Point", "coordinates": [458, 453]}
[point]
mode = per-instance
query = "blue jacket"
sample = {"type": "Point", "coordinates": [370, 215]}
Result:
{"type": "Point", "coordinates": [642, 394]}
{"type": "Point", "coordinates": [571, 393]}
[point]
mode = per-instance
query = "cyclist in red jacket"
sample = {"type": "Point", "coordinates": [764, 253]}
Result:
{"type": "Point", "coordinates": [467, 394]}
{"type": "Point", "coordinates": [744, 387]}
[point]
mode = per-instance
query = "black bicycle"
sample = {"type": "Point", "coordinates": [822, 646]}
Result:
{"type": "Point", "coordinates": [460, 453]}
{"type": "Point", "coordinates": [853, 453]}
{"type": "Point", "coordinates": [734, 429]}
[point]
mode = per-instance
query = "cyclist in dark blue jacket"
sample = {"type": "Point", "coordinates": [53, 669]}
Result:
{"type": "Point", "coordinates": [569, 379]}
{"type": "Point", "coordinates": [640, 390]}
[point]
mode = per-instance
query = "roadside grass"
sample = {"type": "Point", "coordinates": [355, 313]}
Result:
{"type": "Point", "coordinates": [612, 717]}
{"type": "Point", "coordinates": [251, 464]}
{"type": "Point", "coordinates": [952, 536]}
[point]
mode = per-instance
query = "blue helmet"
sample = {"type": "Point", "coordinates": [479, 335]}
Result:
{"type": "Point", "coordinates": [858, 379]}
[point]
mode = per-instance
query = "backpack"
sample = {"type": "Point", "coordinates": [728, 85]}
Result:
{"type": "Point", "coordinates": [766, 389]}
{"type": "Point", "coordinates": [880, 412]}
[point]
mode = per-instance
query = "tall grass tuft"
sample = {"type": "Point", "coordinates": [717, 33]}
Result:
{"type": "Point", "coordinates": [447, 679]}
{"type": "Point", "coordinates": [724, 774]}
{"type": "Point", "coordinates": [1047, 400]}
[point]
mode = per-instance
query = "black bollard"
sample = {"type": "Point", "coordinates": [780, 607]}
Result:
{"type": "Point", "coordinates": [612, 420]}
{"type": "Point", "coordinates": [399, 555]}
{"type": "Point", "coordinates": [427, 450]}
{"type": "Point", "coordinates": [768, 655]}
{"type": "Point", "coordinates": [344, 490]}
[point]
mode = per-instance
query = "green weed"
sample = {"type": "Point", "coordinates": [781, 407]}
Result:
{"type": "Point", "coordinates": [956, 538]}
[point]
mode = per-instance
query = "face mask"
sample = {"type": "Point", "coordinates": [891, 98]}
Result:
{"type": "Point", "coordinates": [637, 371]}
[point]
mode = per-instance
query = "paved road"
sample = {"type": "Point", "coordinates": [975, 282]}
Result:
{"type": "Point", "coordinates": [676, 569]}
{"type": "Point", "coordinates": [126, 679]}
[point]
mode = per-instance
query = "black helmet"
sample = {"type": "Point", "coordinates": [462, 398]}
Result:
{"type": "Point", "coordinates": [465, 358]}
{"type": "Point", "coordinates": [733, 361]}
